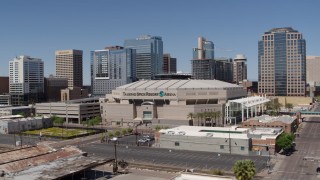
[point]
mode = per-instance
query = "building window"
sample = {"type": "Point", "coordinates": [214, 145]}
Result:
{"type": "Point", "coordinates": [221, 146]}
{"type": "Point", "coordinates": [242, 148]}
{"type": "Point", "coordinates": [176, 144]}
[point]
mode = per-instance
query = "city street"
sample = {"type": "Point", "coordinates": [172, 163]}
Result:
{"type": "Point", "coordinates": [308, 145]}
{"type": "Point", "coordinates": [171, 158]}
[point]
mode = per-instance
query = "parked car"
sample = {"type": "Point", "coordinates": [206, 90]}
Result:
{"type": "Point", "coordinates": [149, 138]}
{"type": "Point", "coordinates": [143, 140]}
{"type": "Point", "coordinates": [288, 153]}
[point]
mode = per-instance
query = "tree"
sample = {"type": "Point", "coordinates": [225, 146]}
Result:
{"type": "Point", "coordinates": [216, 115]}
{"type": "Point", "coordinates": [201, 116]}
{"type": "Point", "coordinates": [289, 106]}
{"type": "Point", "coordinates": [130, 130]}
{"type": "Point", "coordinates": [124, 131]}
{"type": "Point", "coordinates": [244, 169]}
{"type": "Point", "coordinates": [23, 114]}
{"type": "Point", "coordinates": [274, 106]}
{"type": "Point", "coordinates": [110, 135]}
{"type": "Point", "coordinates": [190, 116]}
{"type": "Point", "coordinates": [117, 133]}
{"type": "Point", "coordinates": [285, 141]}
{"type": "Point", "coordinates": [197, 116]}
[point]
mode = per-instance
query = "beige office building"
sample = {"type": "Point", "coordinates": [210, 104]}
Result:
{"type": "Point", "coordinates": [282, 63]}
{"type": "Point", "coordinates": [69, 65]}
{"type": "Point", "coordinates": [74, 111]}
{"type": "Point", "coordinates": [239, 69]}
{"type": "Point", "coordinates": [167, 102]}
{"type": "Point", "coordinates": [313, 65]}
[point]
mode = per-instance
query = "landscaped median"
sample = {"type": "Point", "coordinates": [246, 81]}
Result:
{"type": "Point", "coordinates": [63, 133]}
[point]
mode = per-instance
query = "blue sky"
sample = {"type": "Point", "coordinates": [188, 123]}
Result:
{"type": "Point", "coordinates": [38, 28]}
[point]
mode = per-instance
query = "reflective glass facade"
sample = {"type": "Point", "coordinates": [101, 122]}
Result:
{"type": "Point", "coordinates": [111, 68]}
{"type": "Point", "coordinates": [282, 63]}
{"type": "Point", "coordinates": [26, 81]}
{"type": "Point", "coordinates": [149, 55]}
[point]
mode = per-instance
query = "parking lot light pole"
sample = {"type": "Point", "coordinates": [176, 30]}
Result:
{"type": "Point", "coordinates": [115, 164]}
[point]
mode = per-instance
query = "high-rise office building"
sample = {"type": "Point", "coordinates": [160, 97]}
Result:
{"type": "Point", "coordinates": [69, 65]}
{"type": "Point", "coordinates": [4, 87]}
{"type": "Point", "coordinates": [149, 55]}
{"type": "Point", "coordinates": [53, 87]}
{"type": "Point", "coordinates": [223, 69]}
{"type": "Point", "coordinates": [239, 68]}
{"type": "Point", "coordinates": [313, 64]}
{"type": "Point", "coordinates": [282, 63]}
{"type": "Point", "coordinates": [203, 64]}
{"type": "Point", "coordinates": [26, 83]}
{"type": "Point", "coordinates": [169, 64]}
{"type": "Point", "coordinates": [112, 67]}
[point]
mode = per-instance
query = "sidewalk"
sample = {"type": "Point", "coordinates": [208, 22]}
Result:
{"type": "Point", "coordinates": [276, 161]}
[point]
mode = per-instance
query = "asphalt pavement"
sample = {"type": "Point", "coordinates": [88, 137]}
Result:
{"type": "Point", "coordinates": [294, 167]}
{"type": "Point", "coordinates": [197, 160]}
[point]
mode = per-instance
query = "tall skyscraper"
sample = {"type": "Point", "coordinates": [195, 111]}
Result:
{"type": "Point", "coordinates": [149, 55]}
{"type": "Point", "coordinates": [169, 64]}
{"type": "Point", "coordinates": [26, 82]}
{"type": "Point", "coordinates": [203, 64]}
{"type": "Point", "coordinates": [239, 68]}
{"type": "Point", "coordinates": [112, 67]}
{"type": "Point", "coordinates": [69, 65]}
{"type": "Point", "coordinates": [313, 64]}
{"type": "Point", "coordinates": [223, 69]}
{"type": "Point", "coordinates": [282, 63]}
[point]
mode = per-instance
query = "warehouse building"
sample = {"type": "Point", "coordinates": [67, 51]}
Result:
{"type": "Point", "coordinates": [16, 124]}
{"type": "Point", "coordinates": [288, 124]}
{"type": "Point", "coordinates": [167, 102]}
{"type": "Point", "coordinates": [232, 140]}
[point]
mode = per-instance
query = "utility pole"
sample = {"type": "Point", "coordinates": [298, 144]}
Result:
{"type": "Point", "coordinates": [229, 142]}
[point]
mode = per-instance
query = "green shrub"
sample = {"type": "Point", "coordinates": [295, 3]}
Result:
{"type": "Point", "coordinates": [110, 134]}
{"type": "Point", "coordinates": [130, 130]}
{"type": "Point", "coordinates": [216, 172]}
{"type": "Point", "coordinates": [124, 131]}
{"type": "Point", "coordinates": [157, 128]}
{"type": "Point", "coordinates": [117, 133]}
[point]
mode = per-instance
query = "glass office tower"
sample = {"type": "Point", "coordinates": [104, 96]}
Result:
{"type": "Point", "coordinates": [112, 67]}
{"type": "Point", "coordinates": [149, 55]}
{"type": "Point", "coordinates": [282, 63]}
{"type": "Point", "coordinates": [203, 63]}
{"type": "Point", "coordinates": [26, 81]}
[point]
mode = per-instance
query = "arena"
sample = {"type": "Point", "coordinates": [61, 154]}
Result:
{"type": "Point", "coordinates": [167, 102]}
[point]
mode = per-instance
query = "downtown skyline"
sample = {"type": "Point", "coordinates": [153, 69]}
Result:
{"type": "Point", "coordinates": [38, 29]}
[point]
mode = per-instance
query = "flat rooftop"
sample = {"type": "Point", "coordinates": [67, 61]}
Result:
{"type": "Point", "coordinates": [269, 119]}
{"type": "Point", "coordinates": [265, 133]}
{"type": "Point", "coordinates": [202, 131]}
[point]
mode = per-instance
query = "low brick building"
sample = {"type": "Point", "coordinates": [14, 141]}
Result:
{"type": "Point", "coordinates": [287, 123]}
{"type": "Point", "coordinates": [264, 140]}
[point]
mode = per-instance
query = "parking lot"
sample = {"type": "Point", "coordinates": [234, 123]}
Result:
{"type": "Point", "coordinates": [131, 140]}
{"type": "Point", "coordinates": [172, 158]}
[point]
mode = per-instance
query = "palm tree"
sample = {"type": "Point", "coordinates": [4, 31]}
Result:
{"type": "Point", "coordinates": [244, 169]}
{"type": "Point", "coordinates": [206, 116]}
{"type": "Point", "coordinates": [212, 115]}
{"type": "Point", "coordinates": [201, 115]}
{"type": "Point", "coordinates": [218, 115]}
{"type": "Point", "coordinates": [197, 115]}
{"type": "Point", "coordinates": [190, 116]}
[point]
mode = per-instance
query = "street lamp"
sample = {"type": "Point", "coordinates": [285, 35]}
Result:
{"type": "Point", "coordinates": [115, 164]}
